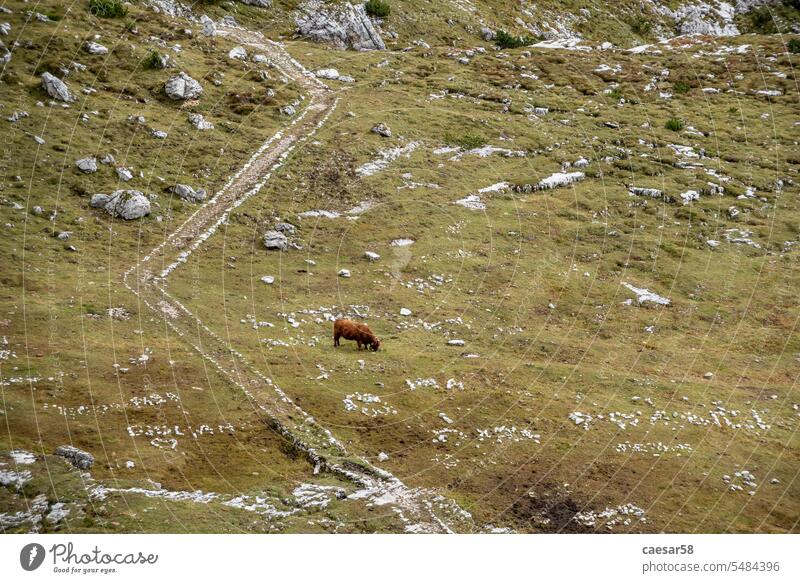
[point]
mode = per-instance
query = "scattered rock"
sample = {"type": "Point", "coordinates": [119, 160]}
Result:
{"type": "Point", "coordinates": [288, 110]}
{"type": "Point", "coordinates": [182, 87]}
{"type": "Point", "coordinates": [382, 457]}
{"type": "Point", "coordinates": [344, 273]}
{"type": "Point", "coordinates": [268, 279]}
{"type": "Point", "coordinates": [238, 53]}
{"type": "Point", "coordinates": [124, 174]}
{"type": "Point", "coordinates": [371, 256]}
{"type": "Point", "coordinates": [188, 193]}
{"type": "Point", "coordinates": [405, 312]}
{"type": "Point", "coordinates": [274, 240]}
{"type": "Point", "coordinates": [456, 342]}
{"type": "Point", "coordinates": [87, 165]}
{"type": "Point", "coordinates": [286, 228]}
{"type": "Point", "coordinates": [77, 457]}
{"type": "Point", "coordinates": [382, 130]}
{"type": "Point", "coordinates": [56, 88]}
{"type": "Point", "coordinates": [94, 48]}
{"type": "Point", "coordinates": [125, 204]}
{"type": "Point", "coordinates": [200, 122]}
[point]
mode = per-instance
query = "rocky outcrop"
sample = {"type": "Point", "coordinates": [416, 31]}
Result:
{"type": "Point", "coordinates": [182, 87]}
{"type": "Point", "coordinates": [259, 3]}
{"type": "Point", "coordinates": [56, 88]}
{"type": "Point", "coordinates": [125, 204]}
{"type": "Point", "coordinates": [344, 26]}
{"type": "Point", "coordinates": [77, 457]}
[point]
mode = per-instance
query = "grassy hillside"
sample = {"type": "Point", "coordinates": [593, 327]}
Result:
{"type": "Point", "coordinates": [573, 403]}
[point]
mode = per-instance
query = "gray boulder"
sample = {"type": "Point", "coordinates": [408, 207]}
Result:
{"type": "Point", "coordinates": [274, 240]}
{"type": "Point", "coordinates": [382, 130]}
{"type": "Point", "coordinates": [181, 87]}
{"type": "Point", "coordinates": [344, 26]}
{"type": "Point", "coordinates": [87, 165]}
{"type": "Point", "coordinates": [94, 48]}
{"type": "Point", "coordinates": [5, 54]}
{"type": "Point", "coordinates": [286, 228]}
{"type": "Point", "coordinates": [188, 193]}
{"type": "Point", "coordinates": [56, 88]}
{"type": "Point", "coordinates": [125, 204]}
{"type": "Point", "coordinates": [77, 457]}
{"type": "Point", "coordinates": [259, 3]}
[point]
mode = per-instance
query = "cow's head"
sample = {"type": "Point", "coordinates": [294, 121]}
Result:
{"type": "Point", "coordinates": [375, 344]}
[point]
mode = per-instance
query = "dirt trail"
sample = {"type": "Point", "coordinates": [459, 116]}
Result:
{"type": "Point", "coordinates": [420, 510]}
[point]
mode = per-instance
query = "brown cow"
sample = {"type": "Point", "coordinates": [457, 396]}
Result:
{"type": "Point", "coordinates": [350, 330]}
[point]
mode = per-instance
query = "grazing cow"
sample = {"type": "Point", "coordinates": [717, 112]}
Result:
{"type": "Point", "coordinates": [350, 330]}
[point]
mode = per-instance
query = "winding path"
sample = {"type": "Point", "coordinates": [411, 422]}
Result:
{"type": "Point", "coordinates": [420, 510]}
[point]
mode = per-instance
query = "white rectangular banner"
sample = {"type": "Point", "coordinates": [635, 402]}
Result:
{"type": "Point", "coordinates": [398, 558]}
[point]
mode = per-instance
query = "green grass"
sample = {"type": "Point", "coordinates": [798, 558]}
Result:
{"type": "Point", "coordinates": [674, 124]}
{"type": "Point", "coordinates": [153, 60]}
{"type": "Point", "coordinates": [378, 8]}
{"type": "Point", "coordinates": [466, 140]}
{"type": "Point", "coordinates": [509, 41]}
{"type": "Point", "coordinates": [681, 88]}
{"type": "Point", "coordinates": [108, 8]}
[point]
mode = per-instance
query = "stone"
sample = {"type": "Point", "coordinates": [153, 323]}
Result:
{"type": "Point", "coordinates": [286, 228]}
{"type": "Point", "coordinates": [182, 87]}
{"type": "Point", "coordinates": [327, 74]}
{"type": "Point", "coordinates": [344, 273]}
{"type": "Point", "coordinates": [382, 457]}
{"type": "Point", "coordinates": [77, 457]}
{"type": "Point", "coordinates": [200, 122]}
{"type": "Point", "coordinates": [188, 193]}
{"type": "Point", "coordinates": [87, 165]}
{"type": "Point", "coordinates": [288, 110]}
{"type": "Point", "coordinates": [56, 88]}
{"type": "Point", "coordinates": [259, 3]}
{"type": "Point", "coordinates": [125, 204]}
{"type": "Point", "coordinates": [487, 33]}
{"type": "Point", "coordinates": [5, 54]}
{"type": "Point", "coordinates": [405, 312]}
{"type": "Point", "coordinates": [371, 255]}
{"type": "Point", "coordinates": [456, 342]}
{"type": "Point", "coordinates": [274, 240]}
{"type": "Point", "coordinates": [209, 28]}
{"type": "Point", "coordinates": [94, 48]}
{"type": "Point", "coordinates": [124, 174]}
{"type": "Point", "coordinates": [343, 25]}
{"type": "Point", "coordinates": [238, 53]}
{"type": "Point", "coordinates": [268, 279]}
{"type": "Point", "coordinates": [382, 130]}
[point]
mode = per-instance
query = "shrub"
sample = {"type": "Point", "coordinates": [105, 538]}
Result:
{"type": "Point", "coordinates": [674, 124]}
{"type": "Point", "coordinates": [680, 87]}
{"type": "Point", "coordinates": [107, 8]}
{"type": "Point", "coordinates": [378, 8]}
{"type": "Point", "coordinates": [467, 141]}
{"type": "Point", "coordinates": [794, 45]}
{"type": "Point", "coordinates": [761, 21]}
{"type": "Point", "coordinates": [640, 25]}
{"type": "Point", "coordinates": [153, 61]}
{"type": "Point", "coordinates": [509, 41]}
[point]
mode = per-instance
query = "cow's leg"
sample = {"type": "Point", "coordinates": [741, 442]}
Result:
{"type": "Point", "coordinates": [336, 340]}
{"type": "Point", "coordinates": [359, 344]}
